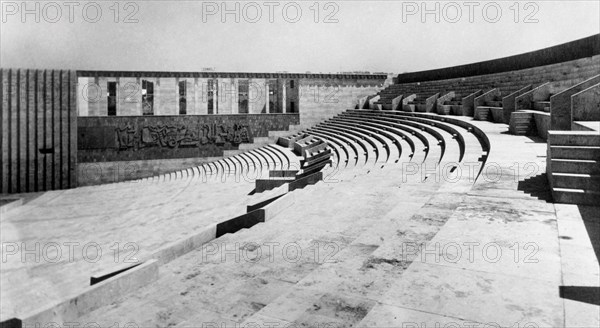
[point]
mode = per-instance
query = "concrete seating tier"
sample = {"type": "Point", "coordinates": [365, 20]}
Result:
{"type": "Point", "coordinates": [530, 106]}
{"type": "Point", "coordinates": [379, 146]}
{"type": "Point", "coordinates": [447, 128]}
{"type": "Point", "coordinates": [365, 282]}
{"type": "Point", "coordinates": [568, 73]}
{"type": "Point", "coordinates": [372, 137]}
{"type": "Point", "coordinates": [352, 145]}
{"type": "Point", "coordinates": [355, 141]}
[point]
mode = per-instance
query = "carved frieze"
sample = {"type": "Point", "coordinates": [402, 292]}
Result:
{"type": "Point", "coordinates": [181, 135]}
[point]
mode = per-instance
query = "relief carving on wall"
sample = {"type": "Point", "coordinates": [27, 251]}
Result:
{"type": "Point", "coordinates": [179, 135]}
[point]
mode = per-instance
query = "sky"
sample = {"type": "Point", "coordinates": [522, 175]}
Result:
{"type": "Point", "coordinates": [293, 36]}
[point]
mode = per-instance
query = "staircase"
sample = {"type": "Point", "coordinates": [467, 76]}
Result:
{"type": "Point", "coordinates": [454, 106]}
{"type": "Point", "coordinates": [315, 154]}
{"type": "Point", "coordinates": [484, 113]}
{"type": "Point", "coordinates": [416, 105]}
{"type": "Point", "coordinates": [522, 123]}
{"type": "Point", "coordinates": [574, 167]}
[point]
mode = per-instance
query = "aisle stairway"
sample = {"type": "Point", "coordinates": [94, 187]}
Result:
{"type": "Point", "coordinates": [574, 167]}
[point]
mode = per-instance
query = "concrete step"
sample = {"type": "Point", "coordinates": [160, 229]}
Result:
{"type": "Point", "coordinates": [482, 113]}
{"type": "Point", "coordinates": [258, 142]}
{"type": "Point", "coordinates": [445, 110]}
{"type": "Point", "coordinates": [573, 138]}
{"type": "Point", "coordinates": [580, 166]}
{"type": "Point", "coordinates": [586, 126]}
{"type": "Point", "coordinates": [409, 108]}
{"type": "Point", "coordinates": [251, 146]}
{"type": "Point", "coordinates": [265, 140]}
{"type": "Point", "coordinates": [494, 103]}
{"type": "Point", "coordinates": [280, 133]}
{"type": "Point", "coordinates": [454, 109]}
{"type": "Point", "coordinates": [541, 106]}
{"type": "Point", "coordinates": [421, 107]}
{"type": "Point", "coordinates": [575, 196]}
{"type": "Point", "coordinates": [453, 102]}
{"type": "Point", "coordinates": [233, 152]}
{"type": "Point", "coordinates": [522, 123]}
{"type": "Point", "coordinates": [576, 181]}
{"type": "Point", "coordinates": [575, 152]}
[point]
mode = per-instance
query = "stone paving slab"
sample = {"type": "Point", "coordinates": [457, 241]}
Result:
{"type": "Point", "coordinates": [471, 294]}
{"type": "Point", "coordinates": [385, 315]}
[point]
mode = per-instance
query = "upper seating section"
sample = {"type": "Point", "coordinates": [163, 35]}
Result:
{"type": "Point", "coordinates": [560, 75]}
{"type": "Point", "coordinates": [562, 66]}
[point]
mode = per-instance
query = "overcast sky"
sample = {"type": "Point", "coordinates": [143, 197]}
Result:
{"type": "Point", "coordinates": [377, 36]}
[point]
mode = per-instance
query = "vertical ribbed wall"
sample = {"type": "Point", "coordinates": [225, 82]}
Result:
{"type": "Point", "coordinates": [39, 130]}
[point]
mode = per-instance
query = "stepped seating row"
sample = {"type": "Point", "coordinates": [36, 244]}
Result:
{"type": "Point", "coordinates": [508, 82]}
{"type": "Point", "coordinates": [353, 139]}
{"type": "Point", "coordinates": [519, 106]}
{"type": "Point", "coordinates": [562, 75]}
{"type": "Point", "coordinates": [368, 138]}
{"type": "Point", "coordinates": [569, 103]}
{"type": "Point", "coordinates": [270, 157]}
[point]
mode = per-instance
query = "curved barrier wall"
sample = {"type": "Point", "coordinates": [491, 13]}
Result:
{"type": "Point", "coordinates": [582, 48]}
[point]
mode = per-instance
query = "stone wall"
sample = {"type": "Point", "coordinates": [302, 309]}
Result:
{"type": "Point", "coordinates": [38, 133]}
{"type": "Point", "coordinates": [586, 104]}
{"type": "Point", "coordinates": [321, 99]}
{"type": "Point", "coordinates": [92, 90]}
{"type": "Point", "coordinates": [542, 124]}
{"type": "Point", "coordinates": [126, 138]}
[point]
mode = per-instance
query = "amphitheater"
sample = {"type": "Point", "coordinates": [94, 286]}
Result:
{"type": "Point", "coordinates": [459, 197]}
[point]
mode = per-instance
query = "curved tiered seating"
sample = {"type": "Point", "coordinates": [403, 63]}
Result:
{"type": "Point", "coordinates": [374, 154]}
{"type": "Point", "coordinates": [356, 141]}
{"type": "Point", "coordinates": [372, 137]}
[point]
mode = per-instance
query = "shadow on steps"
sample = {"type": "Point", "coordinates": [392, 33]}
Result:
{"type": "Point", "coordinates": [537, 186]}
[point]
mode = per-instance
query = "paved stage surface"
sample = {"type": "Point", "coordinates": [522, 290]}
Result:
{"type": "Point", "coordinates": [57, 240]}
{"type": "Point", "coordinates": [370, 246]}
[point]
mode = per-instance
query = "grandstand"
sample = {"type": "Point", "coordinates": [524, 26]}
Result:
{"type": "Point", "coordinates": [430, 200]}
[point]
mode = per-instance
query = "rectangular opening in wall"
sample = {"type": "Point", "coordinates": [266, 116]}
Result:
{"type": "Point", "coordinates": [182, 97]}
{"type": "Point", "coordinates": [147, 97]}
{"type": "Point", "coordinates": [291, 84]}
{"type": "Point", "coordinates": [112, 98]}
{"type": "Point", "coordinates": [292, 107]}
{"type": "Point", "coordinates": [212, 96]}
{"type": "Point", "coordinates": [273, 97]}
{"type": "Point", "coordinates": [243, 96]}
